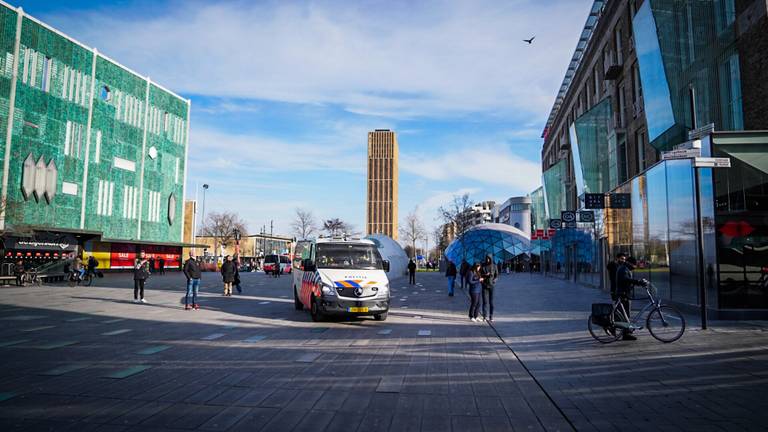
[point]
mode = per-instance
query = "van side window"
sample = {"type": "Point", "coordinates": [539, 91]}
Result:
{"type": "Point", "coordinates": [301, 252]}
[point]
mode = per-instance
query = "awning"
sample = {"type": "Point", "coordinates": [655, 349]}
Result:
{"type": "Point", "coordinates": [156, 243]}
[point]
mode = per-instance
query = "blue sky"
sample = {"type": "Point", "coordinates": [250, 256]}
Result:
{"type": "Point", "coordinates": [284, 92]}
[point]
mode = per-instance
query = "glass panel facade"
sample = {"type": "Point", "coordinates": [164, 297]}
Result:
{"type": "Point", "coordinates": [590, 133]}
{"type": "Point", "coordinates": [687, 59]}
{"type": "Point", "coordinates": [554, 188]}
{"type": "Point", "coordinates": [658, 102]}
{"type": "Point", "coordinates": [502, 242]}
{"type": "Point", "coordinates": [682, 232]}
{"type": "Point", "coordinates": [538, 209]}
{"type": "Point", "coordinates": [659, 230]}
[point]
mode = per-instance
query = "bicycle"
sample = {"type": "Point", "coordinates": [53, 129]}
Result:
{"type": "Point", "coordinates": [31, 277]}
{"type": "Point", "coordinates": [75, 279]}
{"type": "Point", "coordinates": [608, 321]}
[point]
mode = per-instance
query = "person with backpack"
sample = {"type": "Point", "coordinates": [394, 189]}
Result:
{"type": "Point", "coordinates": [450, 273]}
{"type": "Point", "coordinates": [474, 282]}
{"type": "Point", "coordinates": [489, 275]}
{"type": "Point", "coordinates": [193, 274]}
{"type": "Point", "coordinates": [228, 270]}
{"type": "Point", "coordinates": [140, 276]}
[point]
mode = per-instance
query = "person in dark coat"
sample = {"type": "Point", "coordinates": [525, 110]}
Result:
{"type": "Point", "coordinates": [228, 270]}
{"type": "Point", "coordinates": [411, 272]}
{"type": "Point", "coordinates": [489, 274]}
{"type": "Point", "coordinates": [624, 282]}
{"type": "Point", "coordinates": [152, 265]}
{"type": "Point", "coordinates": [237, 274]}
{"type": "Point", "coordinates": [193, 274]}
{"type": "Point", "coordinates": [140, 275]}
{"type": "Point", "coordinates": [161, 265]}
{"type": "Point", "coordinates": [450, 273]}
{"type": "Point", "coordinates": [463, 272]}
{"type": "Point", "coordinates": [613, 268]}
{"type": "Point", "coordinates": [474, 282]}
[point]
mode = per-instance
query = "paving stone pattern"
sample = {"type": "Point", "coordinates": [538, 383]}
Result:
{"type": "Point", "coordinates": [251, 362]}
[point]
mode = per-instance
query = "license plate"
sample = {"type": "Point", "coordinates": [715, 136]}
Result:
{"type": "Point", "coordinates": [357, 309]}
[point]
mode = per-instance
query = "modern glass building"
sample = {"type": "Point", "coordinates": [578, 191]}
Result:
{"type": "Point", "coordinates": [94, 154]}
{"type": "Point", "coordinates": [503, 242]}
{"type": "Point", "coordinates": [647, 77]}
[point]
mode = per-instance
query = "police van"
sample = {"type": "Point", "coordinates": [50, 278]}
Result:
{"type": "Point", "coordinates": [340, 276]}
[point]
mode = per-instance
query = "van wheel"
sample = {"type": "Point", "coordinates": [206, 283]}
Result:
{"type": "Point", "coordinates": [296, 302]}
{"type": "Point", "coordinates": [314, 310]}
{"type": "Point", "coordinates": [380, 317]}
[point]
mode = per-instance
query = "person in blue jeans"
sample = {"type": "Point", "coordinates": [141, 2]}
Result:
{"type": "Point", "coordinates": [475, 288]}
{"type": "Point", "coordinates": [192, 272]}
{"type": "Point", "coordinates": [450, 273]}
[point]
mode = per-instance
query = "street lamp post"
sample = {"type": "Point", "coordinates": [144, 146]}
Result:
{"type": "Point", "coordinates": [205, 188]}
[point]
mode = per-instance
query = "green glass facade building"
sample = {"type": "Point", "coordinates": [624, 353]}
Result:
{"type": "Point", "coordinates": [90, 149]}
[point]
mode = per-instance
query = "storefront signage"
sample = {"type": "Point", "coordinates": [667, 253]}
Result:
{"type": "Point", "coordinates": [587, 216]}
{"type": "Point", "coordinates": [620, 200]}
{"type": "Point", "coordinates": [555, 223]}
{"type": "Point", "coordinates": [594, 201]}
{"type": "Point", "coordinates": [43, 242]}
{"type": "Point", "coordinates": [571, 224]}
{"type": "Point", "coordinates": [568, 216]}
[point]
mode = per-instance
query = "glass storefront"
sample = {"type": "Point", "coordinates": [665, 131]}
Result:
{"type": "Point", "coordinates": [741, 219]}
{"type": "Point", "coordinates": [554, 188]}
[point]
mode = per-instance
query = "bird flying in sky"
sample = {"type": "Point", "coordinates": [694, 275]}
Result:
{"type": "Point", "coordinates": [529, 40]}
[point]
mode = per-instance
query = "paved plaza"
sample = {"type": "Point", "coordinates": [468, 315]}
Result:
{"type": "Point", "coordinates": [88, 358]}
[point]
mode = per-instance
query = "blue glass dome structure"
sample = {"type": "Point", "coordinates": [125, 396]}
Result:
{"type": "Point", "coordinates": [502, 242]}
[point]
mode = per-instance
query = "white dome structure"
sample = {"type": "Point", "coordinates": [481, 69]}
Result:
{"type": "Point", "coordinates": [391, 251]}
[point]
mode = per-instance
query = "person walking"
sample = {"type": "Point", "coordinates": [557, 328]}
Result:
{"type": "Point", "coordinates": [411, 272]}
{"type": "Point", "coordinates": [18, 271]}
{"type": "Point", "coordinates": [140, 275]}
{"type": "Point", "coordinates": [151, 264]}
{"type": "Point", "coordinates": [237, 274]}
{"type": "Point", "coordinates": [464, 272]}
{"type": "Point", "coordinates": [228, 275]}
{"type": "Point", "coordinates": [450, 273]}
{"type": "Point", "coordinates": [474, 282]}
{"type": "Point", "coordinates": [161, 265]}
{"type": "Point", "coordinates": [489, 275]}
{"type": "Point", "coordinates": [193, 274]}
{"type": "Point", "coordinates": [624, 282]}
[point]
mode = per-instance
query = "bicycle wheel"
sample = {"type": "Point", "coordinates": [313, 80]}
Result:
{"type": "Point", "coordinates": [666, 323]}
{"type": "Point", "coordinates": [37, 281]}
{"type": "Point", "coordinates": [88, 279]}
{"type": "Point", "coordinates": [603, 334]}
{"type": "Point", "coordinates": [72, 280]}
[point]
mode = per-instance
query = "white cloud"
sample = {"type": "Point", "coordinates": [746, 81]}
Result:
{"type": "Point", "coordinates": [483, 164]}
{"type": "Point", "coordinates": [385, 58]}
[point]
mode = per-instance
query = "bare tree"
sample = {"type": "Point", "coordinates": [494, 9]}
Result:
{"type": "Point", "coordinates": [336, 226]}
{"type": "Point", "coordinates": [222, 227]}
{"type": "Point", "coordinates": [457, 213]}
{"type": "Point", "coordinates": [412, 230]}
{"type": "Point", "coordinates": [304, 225]}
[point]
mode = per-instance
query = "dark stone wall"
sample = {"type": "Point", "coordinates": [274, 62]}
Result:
{"type": "Point", "coordinates": [752, 22]}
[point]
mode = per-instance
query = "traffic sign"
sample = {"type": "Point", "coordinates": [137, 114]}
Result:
{"type": "Point", "coordinates": [555, 223]}
{"type": "Point", "coordinates": [620, 200]}
{"type": "Point", "coordinates": [594, 201]}
{"type": "Point", "coordinates": [587, 216]}
{"type": "Point", "coordinates": [681, 154]}
{"type": "Point", "coordinates": [568, 216]}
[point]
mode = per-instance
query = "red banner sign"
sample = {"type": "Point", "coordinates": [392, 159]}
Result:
{"type": "Point", "coordinates": [122, 256]}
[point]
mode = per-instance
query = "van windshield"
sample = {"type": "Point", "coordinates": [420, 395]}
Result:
{"type": "Point", "coordinates": [348, 256]}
